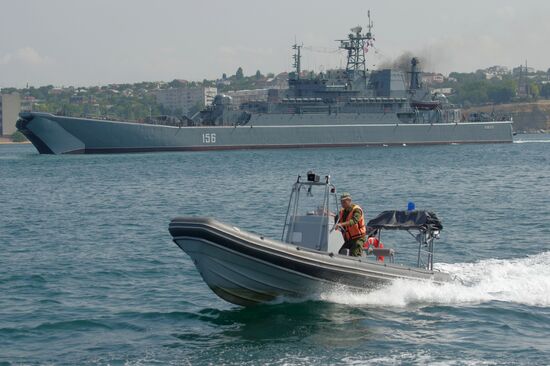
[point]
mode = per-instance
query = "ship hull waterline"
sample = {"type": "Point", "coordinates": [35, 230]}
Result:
{"type": "Point", "coordinates": [67, 135]}
{"type": "Point", "coordinates": [246, 269]}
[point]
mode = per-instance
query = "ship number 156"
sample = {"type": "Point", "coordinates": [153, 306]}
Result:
{"type": "Point", "coordinates": [208, 138]}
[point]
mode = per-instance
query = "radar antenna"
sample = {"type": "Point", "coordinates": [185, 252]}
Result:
{"type": "Point", "coordinates": [357, 45]}
{"type": "Point", "coordinates": [370, 25]}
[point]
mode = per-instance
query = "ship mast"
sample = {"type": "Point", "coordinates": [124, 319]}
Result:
{"type": "Point", "coordinates": [357, 45]}
{"type": "Point", "coordinates": [297, 59]}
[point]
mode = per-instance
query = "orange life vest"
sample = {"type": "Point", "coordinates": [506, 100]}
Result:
{"type": "Point", "coordinates": [356, 231]}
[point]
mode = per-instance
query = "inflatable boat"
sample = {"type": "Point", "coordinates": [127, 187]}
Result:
{"type": "Point", "coordinates": [246, 268]}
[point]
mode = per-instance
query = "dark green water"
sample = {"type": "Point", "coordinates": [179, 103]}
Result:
{"type": "Point", "coordinates": [88, 274]}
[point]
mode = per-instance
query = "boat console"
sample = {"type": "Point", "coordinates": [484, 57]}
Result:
{"type": "Point", "coordinates": [311, 213]}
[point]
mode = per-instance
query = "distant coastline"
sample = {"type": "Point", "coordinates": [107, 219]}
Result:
{"type": "Point", "coordinates": [6, 140]}
{"type": "Point", "coordinates": [529, 117]}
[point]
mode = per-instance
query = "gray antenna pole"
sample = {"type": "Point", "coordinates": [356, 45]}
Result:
{"type": "Point", "coordinates": [297, 59]}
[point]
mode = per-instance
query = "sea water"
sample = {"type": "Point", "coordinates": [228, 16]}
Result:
{"type": "Point", "coordinates": [89, 275]}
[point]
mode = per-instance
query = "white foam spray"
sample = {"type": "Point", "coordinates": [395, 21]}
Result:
{"type": "Point", "coordinates": [522, 281]}
{"type": "Point", "coordinates": [531, 141]}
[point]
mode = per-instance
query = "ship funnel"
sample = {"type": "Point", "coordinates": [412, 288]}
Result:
{"type": "Point", "coordinates": [415, 74]}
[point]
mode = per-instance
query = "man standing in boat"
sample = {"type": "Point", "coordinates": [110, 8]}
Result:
{"type": "Point", "coordinates": [351, 222]}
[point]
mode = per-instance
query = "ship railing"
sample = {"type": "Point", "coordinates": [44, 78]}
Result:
{"type": "Point", "coordinates": [377, 100]}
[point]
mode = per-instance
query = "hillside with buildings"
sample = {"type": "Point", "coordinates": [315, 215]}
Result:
{"type": "Point", "coordinates": [529, 117]}
{"type": "Point", "coordinates": [134, 102]}
{"type": "Point", "coordinates": [522, 92]}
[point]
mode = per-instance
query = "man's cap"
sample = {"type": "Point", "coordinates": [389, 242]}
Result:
{"type": "Point", "coordinates": [345, 196]}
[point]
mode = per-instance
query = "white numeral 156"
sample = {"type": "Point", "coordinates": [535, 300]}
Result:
{"type": "Point", "coordinates": [208, 138]}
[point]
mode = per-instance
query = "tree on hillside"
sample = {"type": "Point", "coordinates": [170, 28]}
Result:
{"type": "Point", "coordinates": [259, 75]}
{"type": "Point", "coordinates": [239, 74]}
{"type": "Point", "coordinates": [471, 93]}
{"type": "Point", "coordinates": [465, 77]}
{"type": "Point", "coordinates": [534, 90]}
{"type": "Point", "coordinates": [18, 137]}
{"type": "Point", "coordinates": [475, 92]}
{"type": "Point", "coordinates": [9, 90]}
{"type": "Point", "coordinates": [176, 84]}
{"type": "Point", "coordinates": [502, 91]}
{"type": "Point", "coordinates": [545, 91]}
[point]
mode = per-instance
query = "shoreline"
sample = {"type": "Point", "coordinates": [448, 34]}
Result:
{"type": "Point", "coordinates": [8, 141]}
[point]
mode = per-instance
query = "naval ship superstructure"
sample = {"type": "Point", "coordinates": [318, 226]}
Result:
{"type": "Point", "coordinates": [349, 107]}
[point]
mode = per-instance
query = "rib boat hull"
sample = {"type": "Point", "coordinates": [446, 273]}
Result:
{"type": "Point", "coordinates": [246, 269]}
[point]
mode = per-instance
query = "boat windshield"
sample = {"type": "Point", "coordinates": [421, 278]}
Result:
{"type": "Point", "coordinates": [311, 212]}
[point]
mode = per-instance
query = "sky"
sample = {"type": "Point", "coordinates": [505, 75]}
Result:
{"type": "Point", "coordinates": [84, 43]}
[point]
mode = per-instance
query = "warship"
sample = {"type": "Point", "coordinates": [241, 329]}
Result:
{"type": "Point", "coordinates": [354, 106]}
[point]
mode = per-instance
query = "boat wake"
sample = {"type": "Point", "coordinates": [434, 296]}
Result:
{"type": "Point", "coordinates": [522, 281]}
{"type": "Point", "coordinates": [530, 141]}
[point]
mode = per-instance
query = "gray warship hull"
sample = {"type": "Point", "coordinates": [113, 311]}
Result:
{"type": "Point", "coordinates": [52, 134]}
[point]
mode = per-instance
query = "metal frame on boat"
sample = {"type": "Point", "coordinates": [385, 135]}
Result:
{"type": "Point", "coordinates": [426, 223]}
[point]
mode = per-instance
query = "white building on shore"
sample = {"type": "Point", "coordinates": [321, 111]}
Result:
{"type": "Point", "coordinates": [185, 98]}
{"type": "Point", "coordinates": [10, 106]}
{"type": "Point", "coordinates": [242, 96]}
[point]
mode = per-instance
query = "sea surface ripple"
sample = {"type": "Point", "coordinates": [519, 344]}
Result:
{"type": "Point", "coordinates": [89, 275]}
